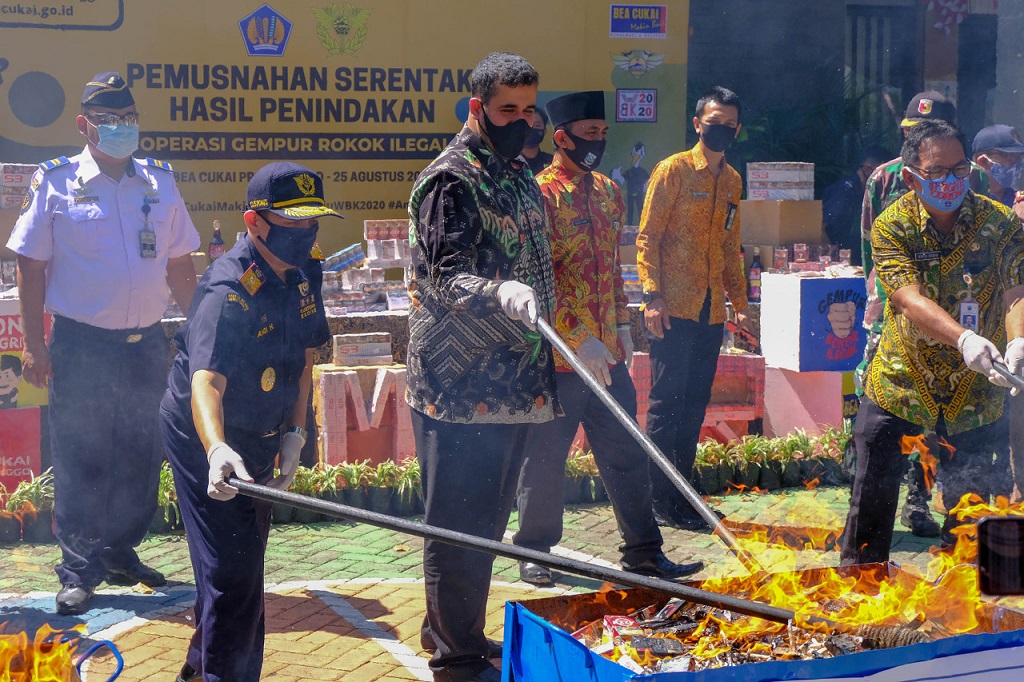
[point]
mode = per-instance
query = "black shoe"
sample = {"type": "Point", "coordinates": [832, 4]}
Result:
{"type": "Point", "coordinates": [73, 600]}
{"type": "Point", "coordinates": [535, 574]}
{"type": "Point", "coordinates": [920, 522]}
{"type": "Point", "coordinates": [188, 674]}
{"type": "Point", "coordinates": [660, 566]}
{"type": "Point", "coordinates": [138, 573]}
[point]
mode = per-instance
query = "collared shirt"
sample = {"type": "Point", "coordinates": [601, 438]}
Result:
{"type": "Point", "coordinates": [87, 226]}
{"type": "Point", "coordinates": [250, 326]}
{"type": "Point", "coordinates": [689, 240]}
{"type": "Point", "coordinates": [585, 215]}
{"type": "Point", "coordinates": [882, 189]}
{"type": "Point", "coordinates": [477, 220]}
{"type": "Point", "coordinates": [913, 376]}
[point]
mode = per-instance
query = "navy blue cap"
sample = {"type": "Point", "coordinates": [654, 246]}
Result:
{"type": "Point", "coordinates": [107, 90]}
{"type": "Point", "coordinates": [288, 190]}
{"type": "Point", "coordinates": [1002, 138]}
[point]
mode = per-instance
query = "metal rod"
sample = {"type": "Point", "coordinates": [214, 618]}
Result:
{"type": "Point", "coordinates": [681, 484]}
{"type": "Point", "coordinates": [464, 540]}
{"type": "Point", "coordinates": [1004, 371]}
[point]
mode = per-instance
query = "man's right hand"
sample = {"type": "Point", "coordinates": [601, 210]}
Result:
{"type": "Point", "coordinates": [223, 462]}
{"type": "Point", "coordinates": [519, 302]}
{"type": "Point", "coordinates": [597, 358]}
{"type": "Point", "coordinates": [656, 317]}
{"type": "Point", "coordinates": [35, 365]}
{"type": "Point", "coordinates": [979, 354]}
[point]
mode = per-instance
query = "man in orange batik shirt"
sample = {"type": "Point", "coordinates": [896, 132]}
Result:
{"type": "Point", "coordinates": [585, 214]}
{"type": "Point", "coordinates": [688, 260]}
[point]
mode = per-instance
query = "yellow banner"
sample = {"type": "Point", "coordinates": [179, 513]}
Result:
{"type": "Point", "coordinates": [366, 93]}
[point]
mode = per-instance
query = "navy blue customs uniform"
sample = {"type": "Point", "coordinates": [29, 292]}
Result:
{"type": "Point", "coordinates": [102, 242]}
{"type": "Point", "coordinates": [253, 324]}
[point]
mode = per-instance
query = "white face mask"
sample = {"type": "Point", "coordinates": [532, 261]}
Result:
{"type": "Point", "coordinates": [118, 141]}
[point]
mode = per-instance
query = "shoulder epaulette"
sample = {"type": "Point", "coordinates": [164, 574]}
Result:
{"type": "Point", "coordinates": [316, 253]}
{"type": "Point", "coordinates": [54, 163]}
{"type": "Point", "coordinates": [157, 163]}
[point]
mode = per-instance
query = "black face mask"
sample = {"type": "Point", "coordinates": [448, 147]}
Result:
{"type": "Point", "coordinates": [717, 136]}
{"type": "Point", "coordinates": [535, 137]}
{"type": "Point", "coordinates": [507, 140]}
{"type": "Point", "coordinates": [587, 154]}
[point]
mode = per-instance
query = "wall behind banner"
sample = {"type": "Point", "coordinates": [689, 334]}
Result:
{"type": "Point", "coordinates": [365, 93]}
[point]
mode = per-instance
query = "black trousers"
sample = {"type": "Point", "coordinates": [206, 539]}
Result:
{"type": "Point", "coordinates": [683, 366]}
{"type": "Point", "coordinates": [623, 465]}
{"type": "Point", "coordinates": [104, 395]}
{"type": "Point", "coordinates": [469, 475]}
{"type": "Point", "coordinates": [881, 464]}
{"type": "Point", "coordinates": [227, 542]}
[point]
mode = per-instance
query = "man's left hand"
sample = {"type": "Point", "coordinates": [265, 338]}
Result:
{"type": "Point", "coordinates": [291, 448]}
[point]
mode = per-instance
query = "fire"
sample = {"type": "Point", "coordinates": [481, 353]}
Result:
{"type": "Point", "coordinates": [918, 445]}
{"type": "Point", "coordinates": [813, 483]}
{"type": "Point", "coordinates": [46, 659]}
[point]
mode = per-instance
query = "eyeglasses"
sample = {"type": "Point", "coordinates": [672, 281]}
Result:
{"type": "Point", "coordinates": [108, 119]}
{"type": "Point", "coordinates": [961, 170]}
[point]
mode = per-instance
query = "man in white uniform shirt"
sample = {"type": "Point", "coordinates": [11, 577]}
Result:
{"type": "Point", "coordinates": [102, 240]}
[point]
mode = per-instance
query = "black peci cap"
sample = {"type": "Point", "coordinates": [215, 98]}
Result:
{"type": "Point", "coordinates": [107, 90]}
{"type": "Point", "coordinates": [576, 106]}
{"type": "Point", "coordinates": [288, 190]}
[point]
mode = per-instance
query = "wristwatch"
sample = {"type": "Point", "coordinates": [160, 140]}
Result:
{"type": "Point", "coordinates": [649, 296]}
{"type": "Point", "coordinates": [301, 432]}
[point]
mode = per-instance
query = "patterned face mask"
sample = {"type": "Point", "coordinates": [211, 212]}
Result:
{"type": "Point", "coordinates": [944, 194]}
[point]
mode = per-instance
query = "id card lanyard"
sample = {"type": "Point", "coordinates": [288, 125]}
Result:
{"type": "Point", "coordinates": [147, 237]}
{"type": "Point", "coordinates": [970, 309]}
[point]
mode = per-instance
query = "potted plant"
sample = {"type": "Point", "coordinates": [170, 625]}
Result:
{"type": "Point", "coordinates": [772, 464]}
{"type": "Point", "coordinates": [747, 456]}
{"type": "Point", "coordinates": [706, 472]}
{"type": "Point", "coordinates": [168, 515]}
{"type": "Point", "coordinates": [381, 487]}
{"type": "Point", "coordinates": [353, 476]}
{"type": "Point", "coordinates": [591, 486]}
{"type": "Point", "coordinates": [572, 481]}
{"type": "Point", "coordinates": [305, 483]}
{"type": "Point", "coordinates": [326, 484]}
{"type": "Point", "coordinates": [33, 502]}
{"type": "Point", "coordinates": [790, 452]}
{"type": "Point", "coordinates": [10, 523]}
{"type": "Point", "coordinates": [831, 447]}
{"type": "Point", "coordinates": [408, 499]}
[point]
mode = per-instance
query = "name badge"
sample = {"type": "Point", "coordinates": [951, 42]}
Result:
{"type": "Point", "coordinates": [970, 312]}
{"type": "Point", "coordinates": [580, 222]}
{"type": "Point", "coordinates": [927, 255]}
{"type": "Point", "coordinates": [147, 242]}
{"type": "Point", "coordinates": [730, 216]}
{"type": "Point", "coordinates": [700, 195]}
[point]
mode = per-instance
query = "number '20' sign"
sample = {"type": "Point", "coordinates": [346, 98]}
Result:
{"type": "Point", "coordinates": [636, 105]}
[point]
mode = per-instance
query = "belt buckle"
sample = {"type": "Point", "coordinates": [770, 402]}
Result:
{"type": "Point", "coordinates": [133, 338]}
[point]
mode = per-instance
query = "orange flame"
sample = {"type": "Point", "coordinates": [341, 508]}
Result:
{"type": "Point", "coordinates": [45, 659]}
{"type": "Point", "coordinates": [929, 462]}
{"type": "Point", "coordinates": [812, 484]}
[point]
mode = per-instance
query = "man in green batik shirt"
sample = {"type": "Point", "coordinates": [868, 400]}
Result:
{"type": "Point", "coordinates": [950, 262]}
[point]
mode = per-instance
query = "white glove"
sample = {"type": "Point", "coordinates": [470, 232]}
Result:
{"type": "Point", "coordinates": [519, 302]}
{"type": "Point", "coordinates": [224, 461]}
{"type": "Point", "coordinates": [626, 339]}
{"type": "Point", "coordinates": [979, 354]}
{"type": "Point", "coordinates": [1014, 357]}
{"type": "Point", "coordinates": [596, 357]}
{"type": "Point", "coordinates": [288, 461]}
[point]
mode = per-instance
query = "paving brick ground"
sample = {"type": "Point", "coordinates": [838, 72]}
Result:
{"type": "Point", "coordinates": [344, 602]}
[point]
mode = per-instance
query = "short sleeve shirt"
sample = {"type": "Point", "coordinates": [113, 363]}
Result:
{"type": "Point", "coordinates": [913, 376]}
{"type": "Point", "coordinates": [253, 328]}
{"type": "Point", "coordinates": [87, 226]}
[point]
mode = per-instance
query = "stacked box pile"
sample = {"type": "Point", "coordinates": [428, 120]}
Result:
{"type": "Point", "coordinates": [387, 243]}
{"type": "Point", "coordinates": [15, 179]}
{"type": "Point", "coordinates": [354, 350]}
{"type": "Point", "coordinates": [780, 181]}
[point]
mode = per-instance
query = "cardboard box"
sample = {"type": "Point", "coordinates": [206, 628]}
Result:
{"type": "Point", "coordinates": [783, 180]}
{"type": "Point", "coordinates": [362, 349]}
{"type": "Point", "coordinates": [781, 222]}
{"type": "Point", "coordinates": [811, 324]}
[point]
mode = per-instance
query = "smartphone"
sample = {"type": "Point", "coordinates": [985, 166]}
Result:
{"type": "Point", "coordinates": [1001, 555]}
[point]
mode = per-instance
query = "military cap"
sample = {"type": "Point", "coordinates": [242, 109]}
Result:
{"type": "Point", "coordinates": [289, 190]}
{"type": "Point", "coordinates": [107, 90]}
